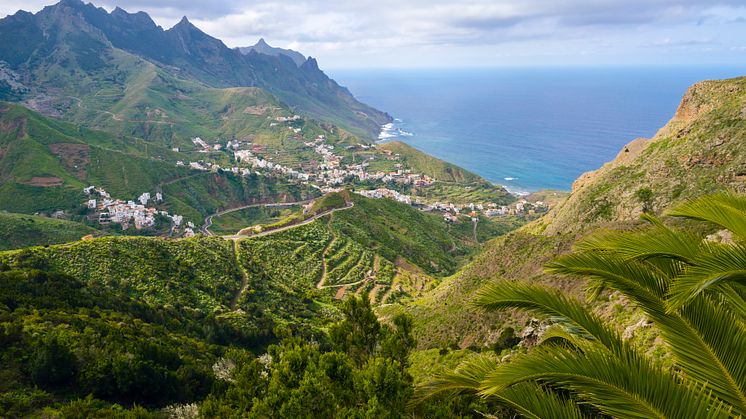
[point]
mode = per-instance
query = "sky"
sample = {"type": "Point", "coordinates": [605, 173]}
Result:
{"type": "Point", "coordinates": [466, 33]}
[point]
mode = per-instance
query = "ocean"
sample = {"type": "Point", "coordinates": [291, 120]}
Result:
{"type": "Point", "coordinates": [526, 128]}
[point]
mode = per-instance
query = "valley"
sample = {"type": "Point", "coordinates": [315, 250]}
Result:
{"type": "Point", "coordinates": [191, 230]}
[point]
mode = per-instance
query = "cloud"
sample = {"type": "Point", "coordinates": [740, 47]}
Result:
{"type": "Point", "coordinates": [414, 32]}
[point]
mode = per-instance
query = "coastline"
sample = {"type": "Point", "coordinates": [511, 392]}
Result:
{"type": "Point", "coordinates": [391, 132]}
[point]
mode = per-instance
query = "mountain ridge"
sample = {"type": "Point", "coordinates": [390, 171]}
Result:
{"type": "Point", "coordinates": [79, 34]}
{"type": "Point", "coordinates": [700, 151]}
{"type": "Point", "coordinates": [263, 47]}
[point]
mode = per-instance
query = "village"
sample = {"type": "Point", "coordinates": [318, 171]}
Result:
{"type": "Point", "coordinates": [451, 212]}
{"type": "Point", "coordinates": [132, 213]}
{"type": "Point", "coordinates": [328, 174]}
{"type": "Point", "coordinates": [331, 175]}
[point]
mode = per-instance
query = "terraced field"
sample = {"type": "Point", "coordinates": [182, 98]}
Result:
{"type": "Point", "coordinates": [316, 256]}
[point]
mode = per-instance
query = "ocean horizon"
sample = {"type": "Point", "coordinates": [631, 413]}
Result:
{"type": "Point", "coordinates": [527, 129]}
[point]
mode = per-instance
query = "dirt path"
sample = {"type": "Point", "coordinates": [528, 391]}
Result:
{"type": "Point", "coordinates": [302, 223]}
{"type": "Point", "coordinates": [324, 270]}
{"type": "Point", "coordinates": [244, 276]}
{"type": "Point", "coordinates": [374, 293]}
{"type": "Point", "coordinates": [394, 284]}
{"type": "Point", "coordinates": [341, 293]}
{"type": "Point", "coordinates": [205, 229]}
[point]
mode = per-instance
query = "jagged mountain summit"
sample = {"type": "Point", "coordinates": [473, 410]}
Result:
{"type": "Point", "coordinates": [74, 50]}
{"type": "Point", "coordinates": [262, 47]}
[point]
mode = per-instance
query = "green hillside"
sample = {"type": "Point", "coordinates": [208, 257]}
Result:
{"type": "Point", "coordinates": [46, 163]}
{"type": "Point", "coordinates": [120, 69]}
{"type": "Point", "coordinates": [22, 230]}
{"type": "Point", "coordinates": [435, 168]}
{"type": "Point", "coordinates": [699, 152]}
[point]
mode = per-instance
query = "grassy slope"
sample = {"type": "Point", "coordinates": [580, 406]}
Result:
{"type": "Point", "coordinates": [453, 184]}
{"type": "Point", "coordinates": [99, 326]}
{"type": "Point", "coordinates": [436, 168]}
{"type": "Point", "coordinates": [205, 274]}
{"type": "Point", "coordinates": [34, 146]}
{"type": "Point", "coordinates": [701, 150]}
{"type": "Point", "coordinates": [386, 248]}
{"type": "Point", "coordinates": [21, 230]}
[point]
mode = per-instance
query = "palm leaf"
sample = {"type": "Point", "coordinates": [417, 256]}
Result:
{"type": "Point", "coordinates": [548, 302]}
{"type": "Point", "coordinates": [466, 378]}
{"type": "Point", "coordinates": [624, 386]}
{"type": "Point", "coordinates": [531, 400]}
{"type": "Point", "coordinates": [706, 347]}
{"type": "Point", "coordinates": [636, 279]}
{"type": "Point", "coordinates": [719, 265]}
{"type": "Point", "coordinates": [657, 242]}
{"type": "Point", "coordinates": [724, 209]}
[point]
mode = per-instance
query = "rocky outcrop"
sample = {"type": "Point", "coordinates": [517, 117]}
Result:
{"type": "Point", "coordinates": [700, 150]}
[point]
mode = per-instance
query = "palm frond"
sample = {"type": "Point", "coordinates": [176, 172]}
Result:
{"type": "Point", "coordinates": [724, 209]}
{"type": "Point", "coordinates": [708, 343]}
{"type": "Point", "coordinates": [466, 378]}
{"type": "Point", "coordinates": [701, 348]}
{"type": "Point", "coordinates": [561, 334]}
{"type": "Point", "coordinates": [720, 264]}
{"type": "Point", "coordinates": [623, 386]}
{"type": "Point", "coordinates": [531, 400]}
{"type": "Point", "coordinates": [657, 242]}
{"type": "Point", "coordinates": [551, 303]}
{"type": "Point", "coordinates": [633, 278]}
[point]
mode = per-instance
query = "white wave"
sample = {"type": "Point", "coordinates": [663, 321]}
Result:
{"type": "Point", "coordinates": [510, 178]}
{"type": "Point", "coordinates": [516, 192]}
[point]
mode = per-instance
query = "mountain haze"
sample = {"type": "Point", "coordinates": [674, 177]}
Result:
{"type": "Point", "coordinates": [263, 48]}
{"type": "Point", "coordinates": [77, 50]}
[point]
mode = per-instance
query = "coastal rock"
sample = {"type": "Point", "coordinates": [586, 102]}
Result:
{"type": "Point", "coordinates": [628, 153]}
{"type": "Point", "coordinates": [698, 150]}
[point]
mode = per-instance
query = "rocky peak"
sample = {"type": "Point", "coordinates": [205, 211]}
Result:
{"type": "Point", "coordinates": [184, 23]}
{"type": "Point", "coordinates": [311, 64]}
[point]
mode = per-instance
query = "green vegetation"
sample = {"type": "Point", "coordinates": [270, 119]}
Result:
{"type": "Point", "coordinates": [703, 154]}
{"type": "Point", "coordinates": [698, 152]}
{"type": "Point", "coordinates": [282, 323]}
{"type": "Point", "coordinates": [63, 340]}
{"type": "Point", "coordinates": [330, 201]}
{"type": "Point", "coordinates": [453, 184]}
{"type": "Point", "coordinates": [374, 246]}
{"type": "Point", "coordinates": [76, 350]}
{"type": "Point", "coordinates": [689, 289]}
{"type": "Point", "coordinates": [396, 230]}
{"type": "Point", "coordinates": [233, 222]}
{"type": "Point", "coordinates": [20, 230]}
{"type": "Point", "coordinates": [423, 163]}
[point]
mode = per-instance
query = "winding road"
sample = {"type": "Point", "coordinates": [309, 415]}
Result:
{"type": "Point", "coordinates": [205, 229]}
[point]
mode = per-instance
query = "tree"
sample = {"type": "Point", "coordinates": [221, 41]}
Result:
{"type": "Point", "coordinates": [398, 341]}
{"type": "Point", "coordinates": [506, 340]}
{"type": "Point", "coordinates": [53, 365]}
{"type": "Point", "coordinates": [359, 332]}
{"type": "Point", "coordinates": [645, 196]}
{"type": "Point", "coordinates": [691, 289]}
